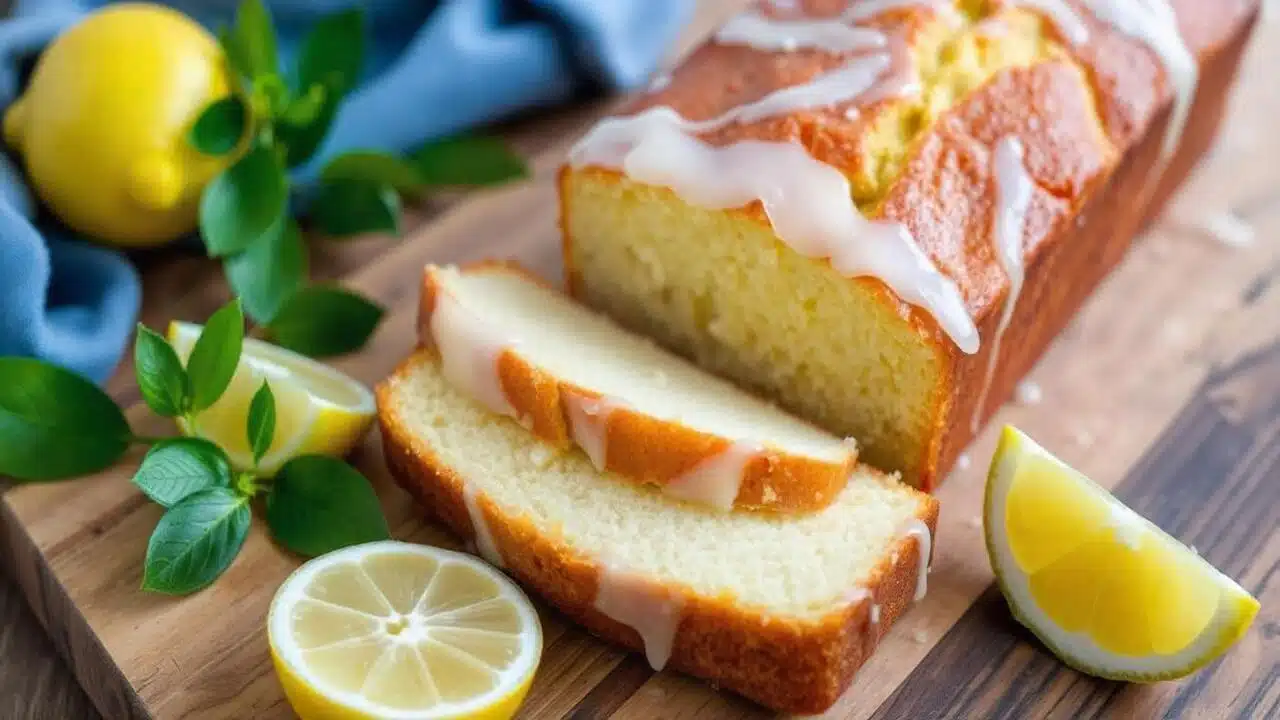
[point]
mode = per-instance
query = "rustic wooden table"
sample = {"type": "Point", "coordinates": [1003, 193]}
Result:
{"type": "Point", "coordinates": [1170, 395]}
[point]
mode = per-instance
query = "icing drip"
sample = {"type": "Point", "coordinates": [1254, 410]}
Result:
{"type": "Point", "coordinates": [1063, 17]}
{"type": "Point", "coordinates": [806, 200]}
{"type": "Point", "coordinates": [485, 545]}
{"type": "Point", "coordinates": [588, 425]}
{"type": "Point", "coordinates": [924, 546]}
{"type": "Point", "coordinates": [1154, 23]}
{"type": "Point", "coordinates": [1013, 198]}
{"type": "Point", "coordinates": [715, 481]}
{"type": "Point", "coordinates": [468, 355]}
{"type": "Point", "coordinates": [645, 606]}
{"type": "Point", "coordinates": [764, 33]}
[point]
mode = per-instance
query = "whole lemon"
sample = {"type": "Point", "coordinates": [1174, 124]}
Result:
{"type": "Point", "coordinates": [102, 125]}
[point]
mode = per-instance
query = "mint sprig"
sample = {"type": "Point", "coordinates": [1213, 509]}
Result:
{"type": "Point", "coordinates": [279, 123]}
{"type": "Point", "coordinates": [55, 425]}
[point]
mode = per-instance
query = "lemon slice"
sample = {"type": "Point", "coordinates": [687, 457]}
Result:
{"type": "Point", "coordinates": [318, 409]}
{"type": "Point", "coordinates": [399, 631]}
{"type": "Point", "coordinates": [1107, 591]}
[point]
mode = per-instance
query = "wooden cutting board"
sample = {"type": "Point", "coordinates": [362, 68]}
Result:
{"type": "Point", "coordinates": [1166, 388]}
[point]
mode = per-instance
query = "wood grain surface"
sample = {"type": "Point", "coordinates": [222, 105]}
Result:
{"type": "Point", "coordinates": [1166, 387]}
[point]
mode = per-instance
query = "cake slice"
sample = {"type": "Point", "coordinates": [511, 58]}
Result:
{"type": "Point", "coordinates": [529, 352]}
{"type": "Point", "coordinates": [782, 609]}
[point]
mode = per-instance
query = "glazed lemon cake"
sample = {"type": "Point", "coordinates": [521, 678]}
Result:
{"type": "Point", "coordinates": [527, 351]}
{"type": "Point", "coordinates": [780, 608]}
{"type": "Point", "coordinates": [880, 212]}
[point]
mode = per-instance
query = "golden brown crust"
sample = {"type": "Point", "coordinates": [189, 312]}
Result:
{"type": "Point", "coordinates": [642, 447]}
{"type": "Point", "coordinates": [790, 666]}
{"type": "Point", "coordinates": [1092, 126]}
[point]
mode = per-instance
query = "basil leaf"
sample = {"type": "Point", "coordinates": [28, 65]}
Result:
{"type": "Point", "coordinates": [54, 424]}
{"type": "Point", "coordinates": [301, 140]}
{"type": "Point", "coordinates": [251, 42]}
{"type": "Point", "coordinates": [174, 469]}
{"type": "Point", "coordinates": [215, 356]}
{"type": "Point", "coordinates": [242, 203]}
{"type": "Point", "coordinates": [195, 541]}
{"type": "Point", "coordinates": [468, 160]}
{"type": "Point", "coordinates": [220, 127]}
{"type": "Point", "coordinates": [344, 208]}
{"type": "Point", "coordinates": [322, 321]}
{"type": "Point", "coordinates": [261, 427]}
{"type": "Point", "coordinates": [371, 166]}
{"type": "Point", "coordinates": [333, 52]}
{"type": "Point", "coordinates": [269, 271]}
{"type": "Point", "coordinates": [159, 372]}
{"type": "Point", "coordinates": [319, 504]}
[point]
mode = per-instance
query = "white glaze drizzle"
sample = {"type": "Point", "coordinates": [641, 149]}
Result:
{"type": "Point", "coordinates": [865, 9]}
{"type": "Point", "coordinates": [924, 546]}
{"type": "Point", "coordinates": [645, 606]}
{"type": "Point", "coordinates": [468, 353]}
{"type": "Point", "coordinates": [715, 481]}
{"type": "Point", "coordinates": [589, 425]}
{"type": "Point", "coordinates": [1014, 188]}
{"type": "Point", "coordinates": [765, 33]}
{"type": "Point", "coordinates": [806, 200]}
{"type": "Point", "coordinates": [1063, 17]}
{"type": "Point", "coordinates": [485, 545]}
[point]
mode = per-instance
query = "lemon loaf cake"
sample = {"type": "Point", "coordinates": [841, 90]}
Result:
{"type": "Point", "coordinates": [527, 351]}
{"type": "Point", "coordinates": [780, 608]}
{"type": "Point", "coordinates": [880, 212]}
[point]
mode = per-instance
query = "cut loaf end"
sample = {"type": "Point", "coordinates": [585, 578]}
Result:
{"type": "Point", "coordinates": [573, 377]}
{"type": "Point", "coordinates": [782, 609]}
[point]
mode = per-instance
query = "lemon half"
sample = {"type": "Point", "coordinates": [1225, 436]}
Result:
{"type": "Point", "coordinates": [318, 409]}
{"type": "Point", "coordinates": [394, 631]}
{"type": "Point", "coordinates": [1106, 590]}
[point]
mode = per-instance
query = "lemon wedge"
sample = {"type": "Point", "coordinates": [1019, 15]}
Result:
{"type": "Point", "coordinates": [318, 409]}
{"type": "Point", "coordinates": [395, 630]}
{"type": "Point", "coordinates": [1106, 590]}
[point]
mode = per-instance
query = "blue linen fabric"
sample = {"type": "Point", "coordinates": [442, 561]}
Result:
{"type": "Point", "coordinates": [435, 68]}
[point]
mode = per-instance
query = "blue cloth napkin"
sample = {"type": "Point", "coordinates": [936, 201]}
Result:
{"type": "Point", "coordinates": [435, 68]}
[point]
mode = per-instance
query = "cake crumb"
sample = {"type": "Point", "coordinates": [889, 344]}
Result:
{"type": "Point", "coordinates": [769, 495]}
{"type": "Point", "coordinates": [851, 113]}
{"type": "Point", "coordinates": [963, 462]}
{"type": "Point", "coordinates": [541, 456]}
{"type": "Point", "coordinates": [1028, 393]}
{"type": "Point", "coordinates": [920, 637]}
{"type": "Point", "coordinates": [437, 420]}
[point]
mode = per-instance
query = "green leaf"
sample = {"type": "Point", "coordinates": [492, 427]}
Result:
{"type": "Point", "coordinates": [159, 372]}
{"type": "Point", "coordinates": [174, 469]}
{"type": "Point", "coordinates": [302, 139]}
{"type": "Point", "coordinates": [468, 160]}
{"type": "Point", "coordinates": [261, 427]}
{"type": "Point", "coordinates": [322, 321]}
{"type": "Point", "coordinates": [269, 271]}
{"type": "Point", "coordinates": [319, 504]}
{"type": "Point", "coordinates": [195, 541]}
{"type": "Point", "coordinates": [242, 203]}
{"type": "Point", "coordinates": [333, 52]}
{"type": "Point", "coordinates": [351, 207]}
{"type": "Point", "coordinates": [250, 44]}
{"type": "Point", "coordinates": [371, 166]}
{"type": "Point", "coordinates": [216, 353]}
{"type": "Point", "coordinates": [305, 108]}
{"type": "Point", "coordinates": [221, 126]}
{"type": "Point", "coordinates": [54, 424]}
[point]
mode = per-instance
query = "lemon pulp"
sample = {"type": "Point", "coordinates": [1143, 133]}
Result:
{"type": "Point", "coordinates": [394, 630]}
{"type": "Point", "coordinates": [1106, 590]}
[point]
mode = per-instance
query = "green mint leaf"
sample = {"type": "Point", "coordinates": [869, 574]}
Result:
{"type": "Point", "coordinates": [319, 504]}
{"type": "Point", "coordinates": [54, 424]}
{"type": "Point", "coordinates": [371, 166]}
{"type": "Point", "coordinates": [160, 375]}
{"type": "Point", "coordinates": [255, 40]}
{"type": "Point", "coordinates": [195, 541]}
{"type": "Point", "coordinates": [269, 271]}
{"type": "Point", "coordinates": [306, 108]}
{"type": "Point", "coordinates": [468, 160]}
{"type": "Point", "coordinates": [261, 427]}
{"type": "Point", "coordinates": [216, 353]}
{"type": "Point", "coordinates": [322, 321]}
{"type": "Point", "coordinates": [344, 208]}
{"type": "Point", "coordinates": [242, 203]}
{"type": "Point", "coordinates": [175, 469]}
{"type": "Point", "coordinates": [221, 126]}
{"type": "Point", "coordinates": [333, 52]}
{"type": "Point", "coordinates": [302, 138]}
